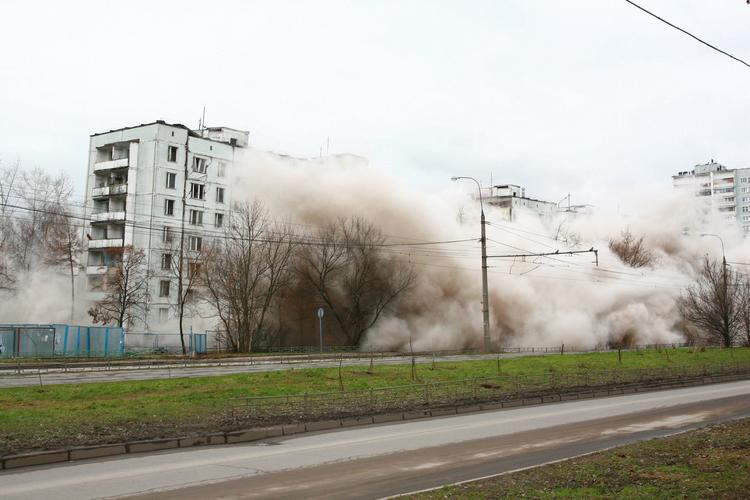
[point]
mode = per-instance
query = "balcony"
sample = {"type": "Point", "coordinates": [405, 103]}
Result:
{"type": "Point", "coordinates": [111, 164]}
{"type": "Point", "coordinates": [96, 270]}
{"type": "Point", "coordinates": [106, 243]}
{"type": "Point", "coordinates": [99, 192]}
{"type": "Point", "coordinates": [108, 217]}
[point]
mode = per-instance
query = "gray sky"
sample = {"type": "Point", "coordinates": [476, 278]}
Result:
{"type": "Point", "coordinates": [586, 96]}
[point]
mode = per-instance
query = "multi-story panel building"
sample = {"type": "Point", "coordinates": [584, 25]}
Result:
{"type": "Point", "coordinates": [722, 191]}
{"type": "Point", "coordinates": [511, 198]}
{"type": "Point", "coordinates": [146, 185]}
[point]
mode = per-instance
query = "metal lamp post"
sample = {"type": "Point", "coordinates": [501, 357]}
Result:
{"type": "Point", "coordinates": [485, 295]}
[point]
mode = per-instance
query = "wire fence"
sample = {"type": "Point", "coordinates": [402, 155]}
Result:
{"type": "Point", "coordinates": [467, 391]}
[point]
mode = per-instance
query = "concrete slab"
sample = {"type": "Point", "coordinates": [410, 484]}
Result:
{"type": "Point", "coordinates": [468, 409]}
{"type": "Point", "coordinates": [354, 421]}
{"type": "Point", "coordinates": [193, 441]}
{"type": "Point", "coordinates": [155, 445]}
{"type": "Point", "coordinates": [245, 436]}
{"type": "Point", "coordinates": [387, 417]}
{"type": "Point", "coordinates": [289, 429]}
{"type": "Point", "coordinates": [322, 425]}
{"type": "Point", "coordinates": [411, 415]}
{"type": "Point", "coordinates": [41, 458]}
{"type": "Point", "coordinates": [97, 451]}
{"type": "Point", "coordinates": [439, 412]}
{"type": "Point", "coordinates": [217, 439]}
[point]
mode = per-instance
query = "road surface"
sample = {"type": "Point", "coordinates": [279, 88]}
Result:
{"type": "Point", "coordinates": [59, 376]}
{"type": "Point", "coordinates": [388, 459]}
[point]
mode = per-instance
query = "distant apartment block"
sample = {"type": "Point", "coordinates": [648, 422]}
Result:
{"type": "Point", "coordinates": [511, 199]}
{"type": "Point", "coordinates": [135, 191]}
{"type": "Point", "coordinates": [723, 191]}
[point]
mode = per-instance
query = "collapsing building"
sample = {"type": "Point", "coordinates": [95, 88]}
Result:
{"type": "Point", "coordinates": [511, 199]}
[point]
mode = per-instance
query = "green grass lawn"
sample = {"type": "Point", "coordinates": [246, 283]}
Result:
{"type": "Point", "coordinates": [711, 463]}
{"type": "Point", "coordinates": [33, 417]}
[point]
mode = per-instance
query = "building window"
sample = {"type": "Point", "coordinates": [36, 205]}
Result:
{"type": "Point", "coordinates": [746, 209]}
{"type": "Point", "coordinates": [194, 268]}
{"type": "Point", "coordinates": [167, 234]}
{"type": "Point", "coordinates": [743, 179]}
{"type": "Point", "coordinates": [221, 169]}
{"type": "Point", "coordinates": [197, 191]}
{"type": "Point", "coordinates": [196, 217]}
{"type": "Point", "coordinates": [745, 218]}
{"type": "Point", "coordinates": [219, 220]}
{"type": "Point", "coordinates": [172, 153]}
{"type": "Point", "coordinates": [168, 207]}
{"type": "Point", "coordinates": [219, 195]}
{"type": "Point", "coordinates": [164, 288]}
{"type": "Point", "coordinates": [195, 243]}
{"type": "Point", "coordinates": [163, 312]}
{"type": "Point", "coordinates": [199, 165]}
{"type": "Point", "coordinates": [166, 261]}
{"type": "Point", "coordinates": [171, 180]}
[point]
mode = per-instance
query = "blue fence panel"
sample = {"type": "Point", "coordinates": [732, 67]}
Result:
{"type": "Point", "coordinates": [60, 340]}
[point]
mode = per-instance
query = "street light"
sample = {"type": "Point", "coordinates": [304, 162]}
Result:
{"type": "Point", "coordinates": [485, 298]}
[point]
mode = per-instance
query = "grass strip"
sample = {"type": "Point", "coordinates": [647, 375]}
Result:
{"type": "Point", "coordinates": [92, 413]}
{"type": "Point", "coordinates": [712, 462]}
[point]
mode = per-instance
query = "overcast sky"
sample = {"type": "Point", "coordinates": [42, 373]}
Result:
{"type": "Point", "coordinates": [580, 96]}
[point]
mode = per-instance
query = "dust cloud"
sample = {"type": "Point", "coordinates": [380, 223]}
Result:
{"type": "Point", "coordinates": [534, 301]}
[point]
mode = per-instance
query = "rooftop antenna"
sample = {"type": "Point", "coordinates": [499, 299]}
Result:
{"type": "Point", "coordinates": [203, 120]}
{"type": "Point", "coordinates": [328, 145]}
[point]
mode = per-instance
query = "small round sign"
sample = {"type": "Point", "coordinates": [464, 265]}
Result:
{"type": "Point", "coordinates": [321, 312]}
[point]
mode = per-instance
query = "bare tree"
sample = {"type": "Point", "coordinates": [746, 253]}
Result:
{"type": "Point", "coordinates": [716, 303]}
{"type": "Point", "coordinates": [245, 272]}
{"type": "Point", "coordinates": [631, 250]}
{"type": "Point", "coordinates": [126, 288]}
{"type": "Point", "coordinates": [62, 241]}
{"type": "Point", "coordinates": [8, 175]}
{"type": "Point", "coordinates": [351, 275]}
{"type": "Point", "coordinates": [744, 336]}
{"type": "Point", "coordinates": [565, 235]}
{"type": "Point", "coordinates": [184, 262]}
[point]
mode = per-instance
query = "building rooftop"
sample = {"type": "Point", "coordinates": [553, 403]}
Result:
{"type": "Point", "coordinates": [191, 132]}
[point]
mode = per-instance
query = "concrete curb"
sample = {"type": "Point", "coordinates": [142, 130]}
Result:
{"type": "Point", "coordinates": [258, 434]}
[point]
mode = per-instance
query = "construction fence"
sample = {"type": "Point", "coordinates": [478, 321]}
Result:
{"type": "Point", "coordinates": [49, 340]}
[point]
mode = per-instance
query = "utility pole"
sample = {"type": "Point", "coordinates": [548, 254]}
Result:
{"type": "Point", "coordinates": [180, 264]}
{"type": "Point", "coordinates": [485, 294]}
{"type": "Point", "coordinates": [725, 292]}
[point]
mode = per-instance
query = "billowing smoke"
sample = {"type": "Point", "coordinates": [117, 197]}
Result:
{"type": "Point", "coordinates": [534, 301]}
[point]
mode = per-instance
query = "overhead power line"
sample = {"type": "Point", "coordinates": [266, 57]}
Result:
{"type": "Point", "coordinates": [689, 34]}
{"type": "Point", "coordinates": [543, 254]}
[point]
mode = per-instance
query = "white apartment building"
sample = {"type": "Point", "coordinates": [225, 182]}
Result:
{"type": "Point", "coordinates": [135, 191]}
{"type": "Point", "coordinates": [723, 191]}
{"type": "Point", "coordinates": [511, 198]}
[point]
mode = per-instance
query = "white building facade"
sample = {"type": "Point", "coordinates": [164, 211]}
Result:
{"type": "Point", "coordinates": [511, 199]}
{"type": "Point", "coordinates": [723, 191]}
{"type": "Point", "coordinates": [146, 185]}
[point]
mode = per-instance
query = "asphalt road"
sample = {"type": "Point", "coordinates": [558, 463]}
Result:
{"type": "Point", "coordinates": [32, 378]}
{"type": "Point", "coordinates": [388, 459]}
